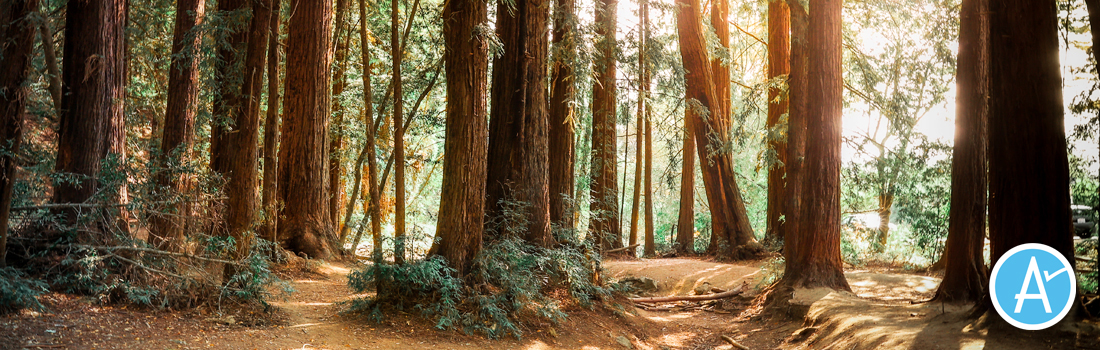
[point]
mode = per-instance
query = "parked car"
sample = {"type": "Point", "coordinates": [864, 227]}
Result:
{"type": "Point", "coordinates": [1083, 220]}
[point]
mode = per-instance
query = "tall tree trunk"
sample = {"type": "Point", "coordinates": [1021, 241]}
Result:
{"type": "Point", "coordinates": [339, 82]}
{"type": "Point", "coordinates": [375, 207]}
{"type": "Point", "coordinates": [242, 139]}
{"type": "Point", "coordinates": [179, 123]}
{"type": "Point", "coordinates": [271, 130]}
{"type": "Point", "coordinates": [685, 223]}
{"type": "Point", "coordinates": [779, 51]}
{"type": "Point", "coordinates": [518, 122]}
{"type": "Point", "coordinates": [398, 139]}
{"type": "Point", "coordinates": [719, 65]}
{"type": "Point", "coordinates": [562, 118]}
{"type": "Point", "coordinates": [818, 262]}
{"type": "Point", "coordinates": [92, 125]}
{"type": "Point", "coordinates": [797, 90]}
{"type": "Point", "coordinates": [643, 66]}
{"type": "Point", "coordinates": [461, 208]}
{"type": "Point", "coordinates": [229, 76]}
{"type": "Point", "coordinates": [1028, 168]}
{"type": "Point", "coordinates": [604, 226]}
{"type": "Point", "coordinates": [729, 217]}
{"type": "Point", "coordinates": [303, 222]}
{"type": "Point", "coordinates": [49, 53]}
{"type": "Point", "coordinates": [1093, 7]}
{"type": "Point", "coordinates": [964, 277]}
{"type": "Point", "coordinates": [17, 33]}
{"type": "Point", "coordinates": [639, 163]}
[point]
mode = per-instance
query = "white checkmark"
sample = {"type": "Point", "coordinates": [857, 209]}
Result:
{"type": "Point", "coordinates": [1056, 273]}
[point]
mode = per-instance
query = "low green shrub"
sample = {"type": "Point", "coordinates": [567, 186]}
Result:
{"type": "Point", "coordinates": [19, 292]}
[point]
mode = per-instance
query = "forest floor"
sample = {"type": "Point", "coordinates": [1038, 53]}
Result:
{"type": "Point", "coordinates": [878, 315]}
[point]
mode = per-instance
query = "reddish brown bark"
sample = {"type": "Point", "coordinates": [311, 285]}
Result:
{"type": "Point", "coordinates": [964, 277]}
{"type": "Point", "coordinates": [729, 218]}
{"type": "Point", "coordinates": [562, 123]}
{"type": "Point", "coordinates": [303, 222]}
{"type": "Point", "coordinates": [639, 163]}
{"type": "Point", "coordinates": [817, 262]}
{"type": "Point", "coordinates": [336, 144]}
{"type": "Point", "coordinates": [461, 208]}
{"type": "Point", "coordinates": [685, 224]}
{"type": "Point", "coordinates": [271, 130]}
{"type": "Point", "coordinates": [398, 139]}
{"type": "Point", "coordinates": [518, 161]}
{"type": "Point", "coordinates": [229, 76]}
{"type": "Point", "coordinates": [643, 63]}
{"type": "Point", "coordinates": [797, 89]}
{"type": "Point", "coordinates": [17, 33]}
{"type": "Point", "coordinates": [374, 208]}
{"type": "Point", "coordinates": [779, 47]}
{"type": "Point", "coordinates": [179, 121]}
{"type": "Point", "coordinates": [92, 126]}
{"type": "Point", "coordinates": [1028, 168]}
{"type": "Point", "coordinates": [604, 226]}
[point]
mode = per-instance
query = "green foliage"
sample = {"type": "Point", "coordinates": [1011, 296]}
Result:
{"type": "Point", "coordinates": [19, 292]}
{"type": "Point", "coordinates": [512, 283]}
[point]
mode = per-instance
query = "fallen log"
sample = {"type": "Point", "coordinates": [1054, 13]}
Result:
{"type": "Point", "coordinates": [616, 250]}
{"type": "Point", "coordinates": [704, 297]}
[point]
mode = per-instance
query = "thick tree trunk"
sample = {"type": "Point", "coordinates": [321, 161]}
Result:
{"type": "Point", "coordinates": [92, 125]}
{"type": "Point", "coordinates": [229, 76]}
{"type": "Point", "coordinates": [461, 208]}
{"type": "Point", "coordinates": [964, 277]}
{"type": "Point", "coordinates": [562, 118]}
{"type": "Point", "coordinates": [779, 51]}
{"type": "Point", "coordinates": [1028, 167]}
{"type": "Point", "coordinates": [685, 223]}
{"type": "Point", "coordinates": [303, 222]}
{"type": "Point", "coordinates": [167, 231]}
{"type": "Point", "coordinates": [271, 130]}
{"type": "Point", "coordinates": [518, 122]}
{"type": "Point", "coordinates": [604, 226]}
{"type": "Point", "coordinates": [336, 144]}
{"type": "Point", "coordinates": [1093, 7]}
{"type": "Point", "coordinates": [797, 90]}
{"type": "Point", "coordinates": [818, 263]}
{"type": "Point", "coordinates": [17, 33]}
{"type": "Point", "coordinates": [729, 218]}
{"type": "Point", "coordinates": [396, 47]}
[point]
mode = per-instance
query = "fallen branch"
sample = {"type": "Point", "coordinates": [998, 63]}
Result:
{"type": "Point", "coordinates": [161, 252]}
{"type": "Point", "coordinates": [616, 250]}
{"type": "Point", "coordinates": [150, 269]}
{"type": "Point", "coordinates": [724, 295]}
{"type": "Point", "coordinates": [734, 343]}
{"type": "Point", "coordinates": [1084, 259]}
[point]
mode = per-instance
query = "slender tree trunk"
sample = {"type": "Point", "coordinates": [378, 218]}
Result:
{"type": "Point", "coordinates": [604, 226]}
{"type": "Point", "coordinates": [562, 118]}
{"type": "Point", "coordinates": [271, 130]}
{"type": "Point", "coordinates": [92, 125]}
{"type": "Point", "coordinates": [336, 145]}
{"type": "Point", "coordinates": [964, 277]}
{"type": "Point", "coordinates": [49, 53]}
{"type": "Point", "coordinates": [461, 208]}
{"type": "Point", "coordinates": [685, 223]}
{"type": "Point", "coordinates": [719, 65]}
{"type": "Point", "coordinates": [229, 76]}
{"type": "Point", "coordinates": [17, 32]}
{"type": "Point", "coordinates": [375, 207]}
{"type": "Point", "coordinates": [885, 202]}
{"type": "Point", "coordinates": [303, 223]}
{"type": "Point", "coordinates": [179, 123]}
{"type": "Point", "coordinates": [818, 262]}
{"type": "Point", "coordinates": [779, 51]}
{"type": "Point", "coordinates": [398, 140]}
{"type": "Point", "coordinates": [1027, 142]}
{"type": "Point", "coordinates": [729, 217]}
{"type": "Point", "coordinates": [643, 66]}
{"type": "Point", "coordinates": [797, 90]}
{"type": "Point", "coordinates": [639, 163]}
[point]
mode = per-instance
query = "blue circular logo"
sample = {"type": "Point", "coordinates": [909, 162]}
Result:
{"type": "Point", "coordinates": [1032, 286]}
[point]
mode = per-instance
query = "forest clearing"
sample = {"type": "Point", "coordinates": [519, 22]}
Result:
{"type": "Point", "coordinates": [550, 174]}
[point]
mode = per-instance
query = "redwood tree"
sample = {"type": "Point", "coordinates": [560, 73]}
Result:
{"type": "Point", "coordinates": [91, 124]}
{"type": "Point", "coordinates": [685, 223]}
{"type": "Point", "coordinates": [17, 32]}
{"type": "Point", "coordinates": [562, 118]}
{"type": "Point", "coordinates": [817, 262]}
{"type": "Point", "coordinates": [779, 47]}
{"type": "Point", "coordinates": [643, 103]}
{"type": "Point", "coordinates": [336, 139]}
{"type": "Point", "coordinates": [729, 217]}
{"type": "Point", "coordinates": [179, 119]}
{"type": "Point", "coordinates": [604, 226]}
{"type": "Point", "coordinates": [964, 278]}
{"type": "Point", "coordinates": [1028, 168]}
{"type": "Point", "coordinates": [271, 129]}
{"type": "Point", "coordinates": [797, 85]}
{"type": "Point", "coordinates": [396, 47]}
{"type": "Point", "coordinates": [303, 219]}
{"type": "Point", "coordinates": [461, 208]}
{"type": "Point", "coordinates": [518, 122]}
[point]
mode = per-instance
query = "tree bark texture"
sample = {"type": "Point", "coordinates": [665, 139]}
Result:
{"type": "Point", "coordinates": [271, 130]}
{"type": "Point", "coordinates": [303, 156]}
{"type": "Point", "coordinates": [518, 122]}
{"type": "Point", "coordinates": [685, 223]}
{"type": "Point", "coordinates": [374, 208]}
{"type": "Point", "coordinates": [461, 208]}
{"type": "Point", "coordinates": [16, 53]}
{"type": "Point", "coordinates": [604, 226]}
{"type": "Point", "coordinates": [818, 262]}
{"type": "Point", "coordinates": [964, 277]}
{"type": "Point", "coordinates": [562, 122]}
{"type": "Point", "coordinates": [797, 89]}
{"type": "Point", "coordinates": [179, 122]}
{"type": "Point", "coordinates": [779, 57]}
{"type": "Point", "coordinates": [643, 63]}
{"type": "Point", "coordinates": [396, 47]}
{"type": "Point", "coordinates": [639, 163]}
{"type": "Point", "coordinates": [229, 74]}
{"type": "Point", "coordinates": [336, 139]}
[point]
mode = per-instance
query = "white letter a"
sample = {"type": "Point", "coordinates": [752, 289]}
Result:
{"type": "Point", "coordinates": [1032, 270]}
